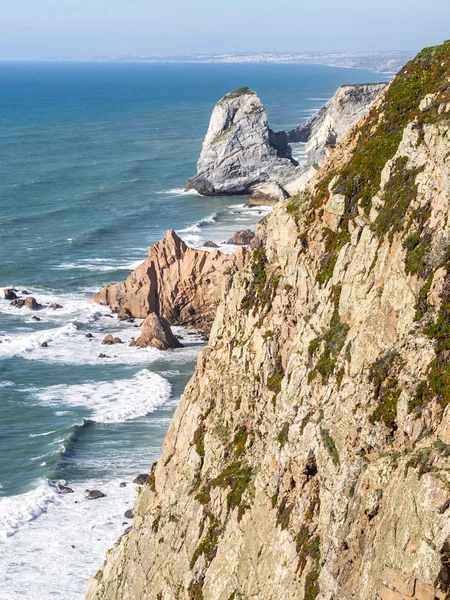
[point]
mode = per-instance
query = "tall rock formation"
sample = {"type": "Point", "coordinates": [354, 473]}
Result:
{"type": "Point", "coordinates": [239, 150]}
{"type": "Point", "coordinates": [309, 456]}
{"type": "Point", "coordinates": [176, 282]}
{"type": "Point", "coordinates": [334, 120]}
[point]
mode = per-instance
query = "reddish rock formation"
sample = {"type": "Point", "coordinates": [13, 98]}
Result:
{"type": "Point", "coordinates": [156, 332]}
{"type": "Point", "coordinates": [176, 282]}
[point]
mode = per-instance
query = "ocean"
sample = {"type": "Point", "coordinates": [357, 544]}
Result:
{"type": "Point", "coordinates": [93, 163]}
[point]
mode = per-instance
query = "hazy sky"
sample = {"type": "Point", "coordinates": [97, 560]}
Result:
{"type": "Point", "coordinates": [38, 28]}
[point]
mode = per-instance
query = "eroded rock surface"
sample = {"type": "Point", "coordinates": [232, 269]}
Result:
{"type": "Point", "coordinates": [309, 456]}
{"type": "Point", "coordinates": [156, 332]}
{"type": "Point", "coordinates": [240, 150]}
{"type": "Point", "coordinates": [176, 282]}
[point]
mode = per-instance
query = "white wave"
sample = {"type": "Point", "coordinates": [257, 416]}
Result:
{"type": "Point", "coordinates": [112, 401]}
{"type": "Point", "coordinates": [55, 554]}
{"type": "Point", "coordinates": [180, 192]}
{"type": "Point", "coordinates": [15, 511]}
{"type": "Point", "coordinates": [35, 435]}
{"type": "Point", "coordinates": [4, 384]}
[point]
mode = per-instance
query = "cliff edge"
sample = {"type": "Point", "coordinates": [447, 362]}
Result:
{"type": "Point", "coordinates": [309, 456]}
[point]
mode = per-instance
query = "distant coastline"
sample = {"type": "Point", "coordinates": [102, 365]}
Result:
{"type": "Point", "coordinates": [383, 61]}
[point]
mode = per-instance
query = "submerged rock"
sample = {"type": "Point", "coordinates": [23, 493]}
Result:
{"type": "Point", "coordinates": [240, 150]}
{"type": "Point", "coordinates": [156, 332]}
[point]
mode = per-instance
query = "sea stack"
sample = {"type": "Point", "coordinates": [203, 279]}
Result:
{"type": "Point", "coordinates": [240, 151]}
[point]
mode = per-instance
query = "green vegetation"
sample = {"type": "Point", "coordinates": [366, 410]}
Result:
{"type": "Point", "coordinates": [151, 478]}
{"type": "Point", "coordinates": [334, 339]}
{"type": "Point", "coordinates": [263, 285]}
{"type": "Point", "coordinates": [399, 192]}
{"type": "Point", "coordinates": [386, 388]}
{"type": "Point", "coordinates": [437, 384]}
{"type": "Point", "coordinates": [195, 590]}
{"type": "Point", "coordinates": [275, 380]}
{"type": "Point", "coordinates": [330, 446]}
{"type": "Point", "coordinates": [420, 459]}
{"type": "Point", "coordinates": [422, 306]}
{"type": "Point", "coordinates": [334, 242]}
{"type": "Point", "coordinates": [208, 546]}
{"type": "Point", "coordinates": [284, 513]}
{"type": "Point", "coordinates": [283, 435]}
{"type": "Point", "coordinates": [199, 439]}
{"type": "Point", "coordinates": [155, 524]}
{"type": "Point", "coordinates": [239, 441]}
{"type": "Point", "coordinates": [312, 584]}
{"type": "Point", "coordinates": [242, 91]}
{"type": "Point", "coordinates": [307, 546]}
{"type": "Point", "coordinates": [236, 476]}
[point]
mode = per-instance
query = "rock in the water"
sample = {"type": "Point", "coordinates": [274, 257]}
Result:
{"type": "Point", "coordinates": [30, 303]}
{"type": "Point", "coordinates": [132, 342]}
{"type": "Point", "coordinates": [94, 494]}
{"type": "Point", "coordinates": [123, 484]}
{"type": "Point", "coordinates": [129, 514]}
{"type": "Point", "coordinates": [9, 294]}
{"type": "Point", "coordinates": [89, 336]}
{"type": "Point", "coordinates": [181, 284]}
{"type": "Point", "coordinates": [156, 332]}
{"type": "Point", "coordinates": [334, 120]}
{"type": "Point", "coordinates": [55, 306]}
{"type": "Point", "coordinates": [36, 318]}
{"type": "Point", "coordinates": [239, 150]}
{"type": "Point", "coordinates": [210, 244]}
{"type": "Point", "coordinates": [44, 345]}
{"type": "Point", "coordinates": [267, 194]}
{"type": "Point", "coordinates": [141, 479]}
{"type": "Point", "coordinates": [101, 355]}
{"type": "Point", "coordinates": [124, 314]}
{"type": "Point", "coordinates": [63, 489]}
{"type": "Point", "coordinates": [25, 292]}
{"type": "Point", "coordinates": [242, 238]}
{"type": "Point", "coordinates": [110, 340]}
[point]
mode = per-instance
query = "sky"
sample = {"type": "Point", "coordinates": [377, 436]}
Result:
{"type": "Point", "coordinates": [33, 29]}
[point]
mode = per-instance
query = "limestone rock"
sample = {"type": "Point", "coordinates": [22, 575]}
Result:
{"type": "Point", "coordinates": [242, 238]}
{"type": "Point", "coordinates": [267, 194]}
{"type": "Point", "coordinates": [334, 120]}
{"type": "Point", "coordinates": [239, 150]}
{"type": "Point", "coordinates": [176, 282]}
{"type": "Point", "coordinates": [156, 332]}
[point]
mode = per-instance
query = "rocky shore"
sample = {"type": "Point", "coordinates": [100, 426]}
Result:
{"type": "Point", "coordinates": [309, 456]}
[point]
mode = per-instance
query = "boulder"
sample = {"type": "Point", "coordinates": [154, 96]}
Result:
{"type": "Point", "coordinates": [141, 479]}
{"type": "Point", "coordinates": [101, 355]}
{"type": "Point", "coordinates": [267, 194]}
{"type": "Point", "coordinates": [55, 306]}
{"type": "Point", "coordinates": [63, 489]}
{"type": "Point", "coordinates": [30, 303]}
{"type": "Point", "coordinates": [129, 514]}
{"type": "Point", "coordinates": [123, 484]}
{"type": "Point", "coordinates": [110, 340]}
{"type": "Point", "coordinates": [242, 238]}
{"type": "Point", "coordinates": [210, 244]}
{"type": "Point", "coordinates": [156, 332]}
{"type": "Point", "coordinates": [94, 494]}
{"type": "Point", "coordinates": [9, 294]}
{"type": "Point", "coordinates": [36, 318]}
{"type": "Point", "coordinates": [240, 150]}
{"type": "Point", "coordinates": [44, 345]}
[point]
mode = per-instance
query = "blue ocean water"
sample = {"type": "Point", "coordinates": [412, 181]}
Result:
{"type": "Point", "coordinates": [93, 162]}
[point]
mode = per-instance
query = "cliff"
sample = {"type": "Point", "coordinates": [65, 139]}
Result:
{"type": "Point", "coordinates": [309, 456]}
{"type": "Point", "coordinates": [333, 121]}
{"type": "Point", "coordinates": [176, 282]}
{"type": "Point", "coordinates": [239, 150]}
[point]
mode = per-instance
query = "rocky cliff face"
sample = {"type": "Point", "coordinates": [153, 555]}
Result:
{"type": "Point", "coordinates": [239, 150]}
{"type": "Point", "coordinates": [309, 456]}
{"type": "Point", "coordinates": [335, 119]}
{"type": "Point", "coordinates": [176, 282]}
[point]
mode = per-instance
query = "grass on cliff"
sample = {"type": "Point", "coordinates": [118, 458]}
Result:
{"type": "Point", "coordinates": [387, 390]}
{"type": "Point", "coordinates": [263, 284]}
{"type": "Point", "coordinates": [375, 143]}
{"type": "Point", "coordinates": [241, 91]}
